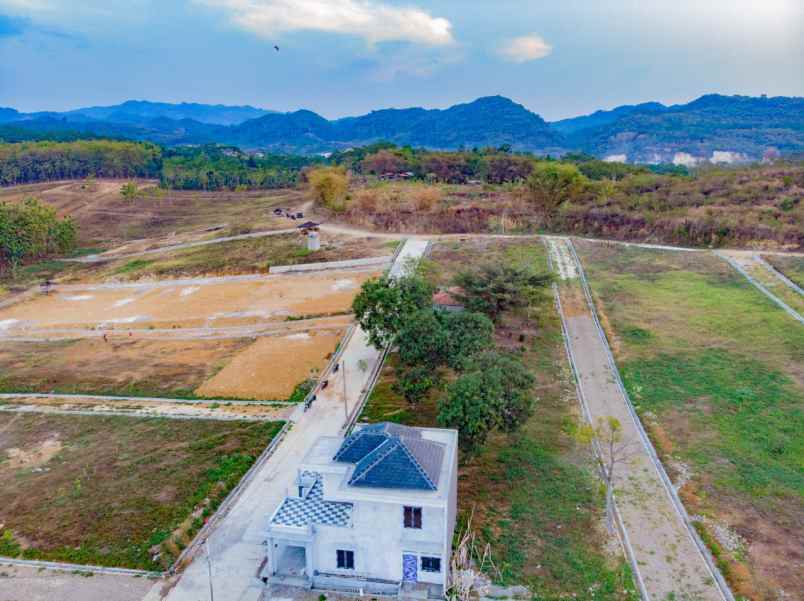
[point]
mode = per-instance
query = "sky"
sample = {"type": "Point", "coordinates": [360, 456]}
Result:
{"type": "Point", "coordinates": [348, 57]}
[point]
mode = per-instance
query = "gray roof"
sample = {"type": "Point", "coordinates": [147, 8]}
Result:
{"type": "Point", "coordinates": [312, 509]}
{"type": "Point", "coordinates": [388, 455]}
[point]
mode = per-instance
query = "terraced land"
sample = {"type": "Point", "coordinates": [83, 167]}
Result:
{"type": "Point", "coordinates": [116, 491]}
{"type": "Point", "coordinates": [716, 371]}
{"type": "Point", "coordinates": [534, 494]}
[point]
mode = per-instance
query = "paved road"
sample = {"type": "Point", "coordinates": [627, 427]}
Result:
{"type": "Point", "coordinates": [19, 583]}
{"type": "Point", "coordinates": [669, 563]}
{"type": "Point", "coordinates": [236, 546]}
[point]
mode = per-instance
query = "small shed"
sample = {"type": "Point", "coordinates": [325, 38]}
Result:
{"type": "Point", "coordinates": [446, 300]}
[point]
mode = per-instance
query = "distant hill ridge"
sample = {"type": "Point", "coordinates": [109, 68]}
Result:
{"type": "Point", "coordinates": [712, 127]}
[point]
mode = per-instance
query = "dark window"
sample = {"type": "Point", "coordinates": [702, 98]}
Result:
{"type": "Point", "coordinates": [431, 564]}
{"type": "Point", "coordinates": [413, 517]}
{"type": "Point", "coordinates": [346, 560]}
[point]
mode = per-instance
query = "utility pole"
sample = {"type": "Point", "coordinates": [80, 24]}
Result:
{"type": "Point", "coordinates": [209, 569]}
{"type": "Point", "coordinates": [345, 404]}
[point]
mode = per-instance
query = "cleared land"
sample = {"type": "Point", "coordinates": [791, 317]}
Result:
{"type": "Point", "coordinates": [115, 491]}
{"type": "Point", "coordinates": [186, 303]}
{"type": "Point", "coordinates": [768, 279]}
{"type": "Point", "coordinates": [535, 496]}
{"type": "Point", "coordinates": [716, 371]}
{"type": "Point", "coordinates": [273, 367]}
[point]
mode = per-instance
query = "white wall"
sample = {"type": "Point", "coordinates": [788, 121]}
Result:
{"type": "Point", "coordinates": [379, 539]}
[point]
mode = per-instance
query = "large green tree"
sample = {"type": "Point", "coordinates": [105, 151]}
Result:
{"type": "Point", "coordinates": [496, 287]}
{"type": "Point", "coordinates": [551, 184]}
{"type": "Point", "coordinates": [383, 305]}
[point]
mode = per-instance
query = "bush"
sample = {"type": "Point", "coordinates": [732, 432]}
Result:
{"type": "Point", "coordinates": [496, 287]}
{"type": "Point", "coordinates": [329, 186]}
{"type": "Point", "coordinates": [551, 184]}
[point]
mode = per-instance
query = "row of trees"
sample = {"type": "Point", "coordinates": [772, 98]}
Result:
{"type": "Point", "coordinates": [490, 165]}
{"type": "Point", "coordinates": [32, 230]}
{"type": "Point", "coordinates": [29, 162]}
{"type": "Point", "coordinates": [488, 390]}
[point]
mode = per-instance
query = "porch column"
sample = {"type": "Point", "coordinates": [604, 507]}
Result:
{"type": "Point", "coordinates": [308, 559]}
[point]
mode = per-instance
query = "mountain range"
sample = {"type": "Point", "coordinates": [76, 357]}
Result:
{"type": "Point", "coordinates": [713, 127]}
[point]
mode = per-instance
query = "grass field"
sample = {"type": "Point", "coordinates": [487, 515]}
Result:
{"type": "Point", "coordinates": [716, 371]}
{"type": "Point", "coordinates": [534, 494]}
{"type": "Point", "coordinates": [116, 491]}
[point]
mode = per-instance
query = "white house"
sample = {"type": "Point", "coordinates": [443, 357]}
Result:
{"type": "Point", "coordinates": [372, 513]}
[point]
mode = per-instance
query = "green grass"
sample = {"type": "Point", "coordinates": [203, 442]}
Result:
{"type": "Point", "coordinates": [716, 370]}
{"type": "Point", "coordinates": [534, 495]}
{"type": "Point", "coordinates": [119, 487]}
{"type": "Point", "coordinates": [791, 266]}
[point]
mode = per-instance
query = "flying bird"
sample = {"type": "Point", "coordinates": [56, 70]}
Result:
{"type": "Point", "coordinates": [276, 47]}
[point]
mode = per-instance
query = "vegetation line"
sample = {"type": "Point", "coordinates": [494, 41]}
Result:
{"type": "Point", "coordinates": [722, 585]}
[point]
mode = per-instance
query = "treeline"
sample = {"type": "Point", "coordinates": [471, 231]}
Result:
{"type": "Point", "coordinates": [32, 230]}
{"type": "Point", "coordinates": [227, 168]}
{"type": "Point", "coordinates": [30, 162]}
{"type": "Point", "coordinates": [487, 165]}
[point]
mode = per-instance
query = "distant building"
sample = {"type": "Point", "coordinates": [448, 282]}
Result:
{"type": "Point", "coordinates": [372, 513]}
{"type": "Point", "coordinates": [446, 299]}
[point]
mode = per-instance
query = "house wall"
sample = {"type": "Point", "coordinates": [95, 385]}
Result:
{"type": "Point", "coordinates": [378, 539]}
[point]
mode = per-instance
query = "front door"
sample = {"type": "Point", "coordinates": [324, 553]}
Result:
{"type": "Point", "coordinates": [410, 568]}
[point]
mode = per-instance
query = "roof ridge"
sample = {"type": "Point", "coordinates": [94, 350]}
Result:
{"type": "Point", "coordinates": [416, 463]}
{"type": "Point", "coordinates": [391, 443]}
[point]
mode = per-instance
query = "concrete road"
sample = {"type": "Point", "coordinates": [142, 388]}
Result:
{"type": "Point", "coordinates": [31, 584]}
{"type": "Point", "coordinates": [668, 562]}
{"type": "Point", "coordinates": [236, 546]}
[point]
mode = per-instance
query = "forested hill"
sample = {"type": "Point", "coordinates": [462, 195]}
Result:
{"type": "Point", "coordinates": [713, 128]}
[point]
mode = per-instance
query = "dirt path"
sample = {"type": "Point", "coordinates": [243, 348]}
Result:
{"type": "Point", "coordinates": [667, 561]}
{"type": "Point", "coordinates": [767, 280]}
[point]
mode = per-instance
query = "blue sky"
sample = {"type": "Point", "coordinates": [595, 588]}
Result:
{"type": "Point", "coordinates": [347, 57]}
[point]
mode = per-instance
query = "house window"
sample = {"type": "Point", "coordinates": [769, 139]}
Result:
{"type": "Point", "coordinates": [413, 517]}
{"type": "Point", "coordinates": [346, 560]}
{"type": "Point", "coordinates": [431, 564]}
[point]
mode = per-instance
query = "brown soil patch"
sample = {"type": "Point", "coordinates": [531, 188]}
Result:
{"type": "Point", "coordinates": [189, 305]}
{"type": "Point", "coordinates": [273, 366]}
{"type": "Point", "coordinates": [40, 454]}
{"type": "Point", "coordinates": [130, 366]}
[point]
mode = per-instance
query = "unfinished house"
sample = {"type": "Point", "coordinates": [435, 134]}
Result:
{"type": "Point", "coordinates": [373, 513]}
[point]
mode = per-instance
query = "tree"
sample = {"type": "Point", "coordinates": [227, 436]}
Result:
{"type": "Point", "coordinates": [466, 409]}
{"type": "Point", "coordinates": [422, 339]}
{"type": "Point", "coordinates": [468, 333]}
{"type": "Point", "coordinates": [551, 184]}
{"type": "Point", "coordinates": [612, 449]}
{"type": "Point", "coordinates": [495, 287]}
{"type": "Point", "coordinates": [414, 383]}
{"type": "Point", "coordinates": [384, 303]}
{"type": "Point", "coordinates": [506, 375]}
{"type": "Point", "coordinates": [31, 230]}
{"type": "Point", "coordinates": [329, 186]}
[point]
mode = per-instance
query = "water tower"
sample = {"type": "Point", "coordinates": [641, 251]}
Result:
{"type": "Point", "coordinates": [310, 230]}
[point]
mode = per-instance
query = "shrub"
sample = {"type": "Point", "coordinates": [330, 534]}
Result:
{"type": "Point", "coordinates": [329, 186]}
{"type": "Point", "coordinates": [551, 184]}
{"type": "Point", "coordinates": [32, 230]}
{"type": "Point", "coordinates": [425, 198]}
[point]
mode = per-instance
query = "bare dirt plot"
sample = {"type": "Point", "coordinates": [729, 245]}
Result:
{"type": "Point", "coordinates": [716, 371]}
{"type": "Point", "coordinates": [215, 303]}
{"type": "Point", "coordinates": [125, 367]}
{"type": "Point", "coordinates": [118, 486]}
{"type": "Point", "coordinates": [273, 366]}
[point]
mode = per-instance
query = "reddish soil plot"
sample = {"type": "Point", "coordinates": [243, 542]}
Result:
{"type": "Point", "coordinates": [273, 366]}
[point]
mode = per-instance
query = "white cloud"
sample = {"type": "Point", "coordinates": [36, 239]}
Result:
{"type": "Point", "coordinates": [525, 48]}
{"type": "Point", "coordinates": [373, 21]}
